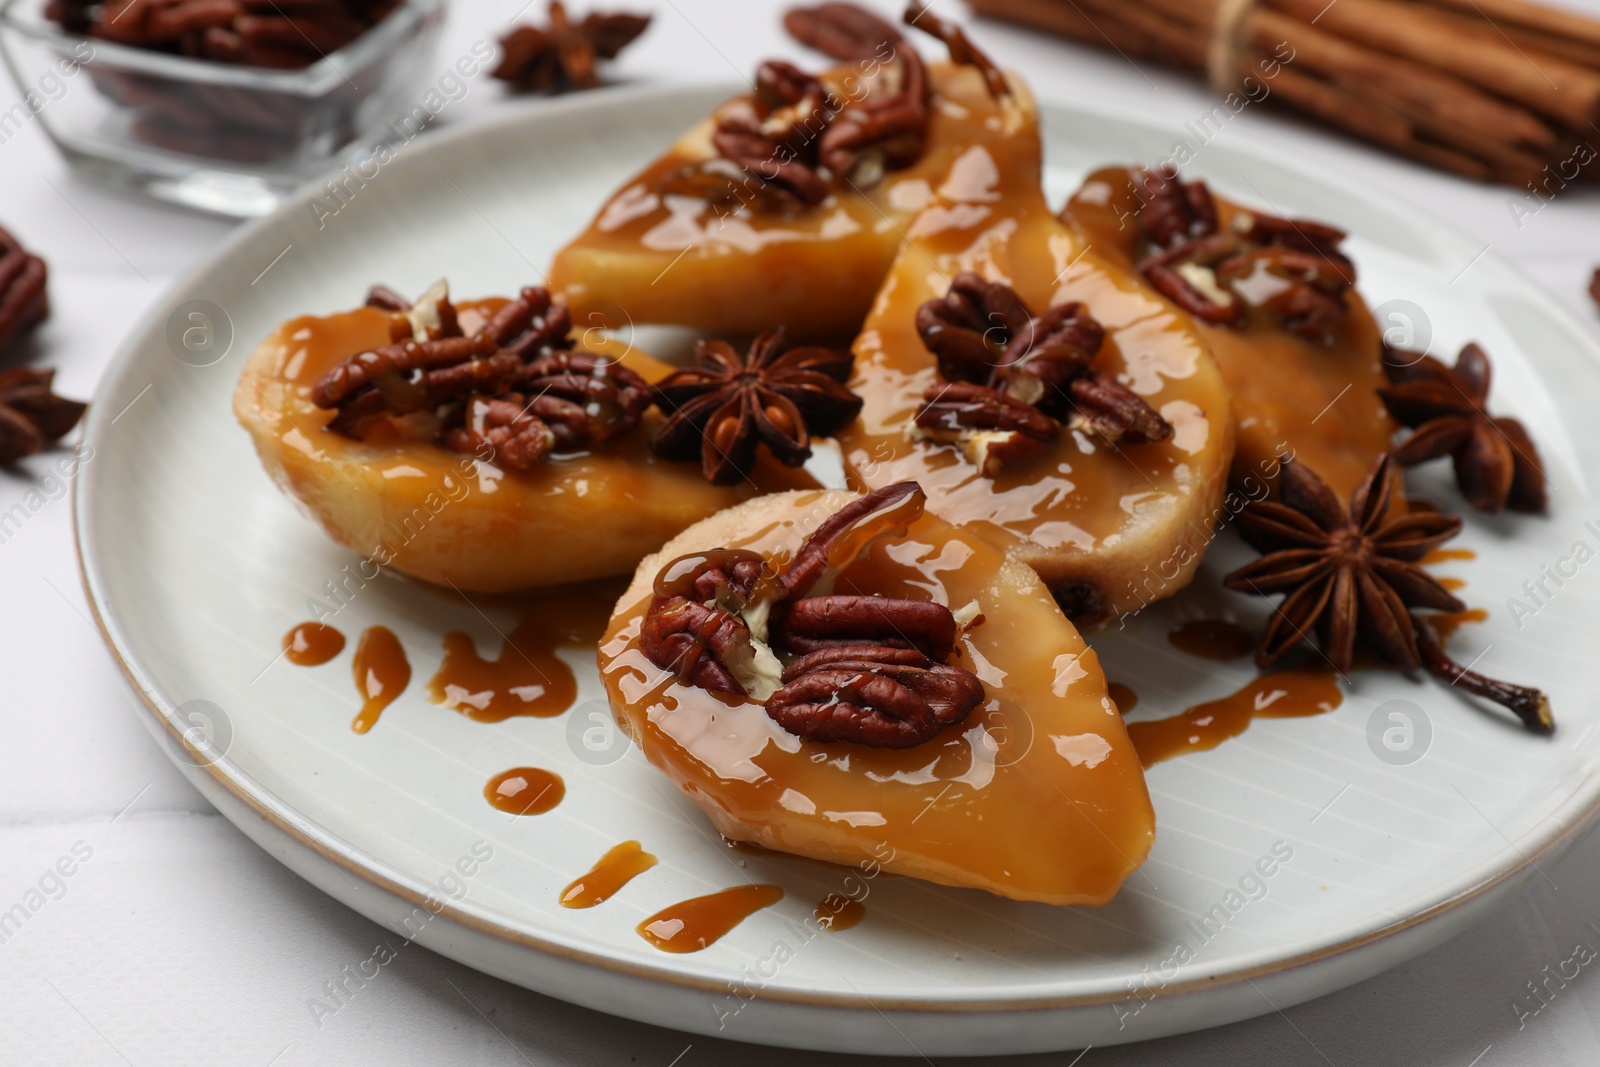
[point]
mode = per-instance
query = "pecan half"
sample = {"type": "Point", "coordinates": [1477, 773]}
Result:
{"type": "Point", "coordinates": [848, 534]}
{"type": "Point", "coordinates": [1186, 275]}
{"type": "Point", "coordinates": [774, 135]}
{"type": "Point", "coordinates": [992, 429]}
{"type": "Point", "coordinates": [1175, 211]}
{"type": "Point", "coordinates": [820, 622]}
{"type": "Point", "coordinates": [885, 698]}
{"type": "Point", "coordinates": [702, 646]}
{"type": "Point", "coordinates": [1014, 374]}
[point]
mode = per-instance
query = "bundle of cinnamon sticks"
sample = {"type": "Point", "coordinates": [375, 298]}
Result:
{"type": "Point", "coordinates": [1498, 90]}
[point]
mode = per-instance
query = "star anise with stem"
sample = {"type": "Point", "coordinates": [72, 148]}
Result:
{"type": "Point", "coordinates": [563, 55]}
{"type": "Point", "coordinates": [724, 406]}
{"type": "Point", "coordinates": [1352, 575]}
{"type": "Point", "coordinates": [1496, 463]}
{"type": "Point", "coordinates": [1011, 376]}
{"type": "Point", "coordinates": [31, 415]}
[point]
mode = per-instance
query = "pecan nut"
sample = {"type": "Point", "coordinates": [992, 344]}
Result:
{"type": "Point", "coordinates": [698, 644]}
{"type": "Point", "coordinates": [1293, 268]}
{"type": "Point", "coordinates": [515, 386]}
{"type": "Point", "coordinates": [885, 698]}
{"type": "Point", "coordinates": [847, 534]}
{"type": "Point", "coordinates": [821, 622]}
{"type": "Point", "coordinates": [1012, 375]}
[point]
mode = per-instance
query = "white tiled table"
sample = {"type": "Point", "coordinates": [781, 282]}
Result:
{"type": "Point", "coordinates": [178, 941]}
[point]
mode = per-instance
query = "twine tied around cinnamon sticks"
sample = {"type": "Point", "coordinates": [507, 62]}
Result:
{"type": "Point", "coordinates": [1497, 90]}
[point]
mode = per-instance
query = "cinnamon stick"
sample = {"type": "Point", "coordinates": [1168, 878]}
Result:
{"type": "Point", "coordinates": [1550, 86]}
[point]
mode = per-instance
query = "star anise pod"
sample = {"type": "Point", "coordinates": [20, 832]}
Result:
{"type": "Point", "coordinates": [562, 56]}
{"type": "Point", "coordinates": [31, 416]}
{"type": "Point", "coordinates": [1292, 267]}
{"type": "Point", "coordinates": [726, 404]}
{"type": "Point", "coordinates": [1496, 463]}
{"type": "Point", "coordinates": [23, 303]}
{"type": "Point", "coordinates": [1352, 575]}
{"type": "Point", "coordinates": [1014, 375]}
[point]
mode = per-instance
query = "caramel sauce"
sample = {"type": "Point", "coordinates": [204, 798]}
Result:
{"type": "Point", "coordinates": [1447, 623]}
{"type": "Point", "coordinates": [615, 869]}
{"type": "Point", "coordinates": [1216, 639]}
{"type": "Point", "coordinates": [1286, 694]}
{"type": "Point", "coordinates": [527, 677]}
{"type": "Point", "coordinates": [381, 672]}
{"type": "Point", "coordinates": [839, 912]}
{"type": "Point", "coordinates": [1123, 697]}
{"type": "Point", "coordinates": [727, 259]}
{"type": "Point", "coordinates": [1316, 401]}
{"type": "Point", "coordinates": [1453, 584]}
{"type": "Point", "coordinates": [311, 644]}
{"type": "Point", "coordinates": [1046, 748]}
{"type": "Point", "coordinates": [1082, 497]}
{"type": "Point", "coordinates": [1447, 555]}
{"type": "Point", "coordinates": [693, 924]}
{"type": "Point", "coordinates": [525, 791]}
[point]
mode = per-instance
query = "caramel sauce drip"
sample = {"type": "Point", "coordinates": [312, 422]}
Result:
{"type": "Point", "coordinates": [1446, 623]}
{"type": "Point", "coordinates": [311, 644]}
{"type": "Point", "coordinates": [527, 677]}
{"type": "Point", "coordinates": [693, 924]}
{"type": "Point", "coordinates": [1216, 639]}
{"type": "Point", "coordinates": [1123, 697]}
{"type": "Point", "coordinates": [1453, 584]}
{"type": "Point", "coordinates": [1294, 693]}
{"type": "Point", "coordinates": [382, 673]}
{"type": "Point", "coordinates": [615, 869]}
{"type": "Point", "coordinates": [525, 791]}
{"type": "Point", "coordinates": [1447, 555]}
{"type": "Point", "coordinates": [839, 912]}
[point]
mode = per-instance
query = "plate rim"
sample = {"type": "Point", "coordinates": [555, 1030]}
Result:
{"type": "Point", "coordinates": [1552, 835]}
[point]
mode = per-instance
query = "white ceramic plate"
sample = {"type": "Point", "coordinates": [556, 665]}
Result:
{"type": "Point", "coordinates": [196, 566]}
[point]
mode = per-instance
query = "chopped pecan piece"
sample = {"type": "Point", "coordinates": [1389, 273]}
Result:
{"type": "Point", "coordinates": [1013, 375]}
{"type": "Point", "coordinates": [515, 386]}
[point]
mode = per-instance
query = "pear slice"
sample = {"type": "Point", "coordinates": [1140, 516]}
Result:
{"type": "Point", "coordinates": [1038, 795]}
{"type": "Point", "coordinates": [743, 265]}
{"type": "Point", "coordinates": [453, 518]}
{"type": "Point", "coordinates": [1316, 400]}
{"type": "Point", "coordinates": [1110, 527]}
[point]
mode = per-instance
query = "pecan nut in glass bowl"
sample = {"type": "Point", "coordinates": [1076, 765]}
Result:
{"type": "Point", "coordinates": [229, 106]}
{"type": "Point", "coordinates": [1275, 301]}
{"type": "Point", "coordinates": [788, 203]}
{"type": "Point", "coordinates": [827, 674]}
{"type": "Point", "coordinates": [476, 444]}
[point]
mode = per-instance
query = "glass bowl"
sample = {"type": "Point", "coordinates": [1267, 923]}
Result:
{"type": "Point", "coordinates": [228, 139]}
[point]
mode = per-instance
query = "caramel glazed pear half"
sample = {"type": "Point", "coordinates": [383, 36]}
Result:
{"type": "Point", "coordinates": [827, 674]}
{"type": "Point", "coordinates": [1036, 390]}
{"type": "Point", "coordinates": [474, 445]}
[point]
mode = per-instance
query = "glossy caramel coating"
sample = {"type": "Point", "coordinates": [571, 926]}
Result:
{"type": "Point", "coordinates": [1037, 796]}
{"type": "Point", "coordinates": [449, 517]}
{"type": "Point", "coordinates": [1315, 400]}
{"type": "Point", "coordinates": [651, 256]}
